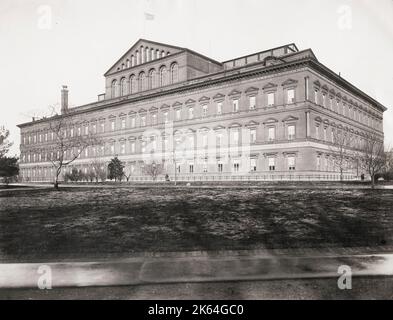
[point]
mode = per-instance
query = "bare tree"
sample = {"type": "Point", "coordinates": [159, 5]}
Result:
{"type": "Point", "coordinates": [66, 147]}
{"type": "Point", "coordinates": [127, 172]}
{"type": "Point", "coordinates": [342, 149]}
{"type": "Point", "coordinates": [372, 156]}
{"type": "Point", "coordinates": [153, 169]}
{"type": "Point", "coordinates": [4, 143]}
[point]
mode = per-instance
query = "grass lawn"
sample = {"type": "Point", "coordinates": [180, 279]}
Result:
{"type": "Point", "coordinates": [81, 222]}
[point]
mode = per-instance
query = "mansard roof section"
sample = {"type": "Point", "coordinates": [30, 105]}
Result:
{"type": "Point", "coordinates": [135, 53]}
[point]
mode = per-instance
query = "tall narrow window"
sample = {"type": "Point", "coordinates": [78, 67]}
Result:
{"type": "Point", "coordinates": [112, 126]}
{"type": "Point", "coordinates": [174, 73]}
{"type": "Point", "coordinates": [204, 110]}
{"type": "Point", "coordinates": [122, 147]}
{"type": "Point", "coordinates": [252, 103]}
{"type": "Point", "coordinates": [270, 99]}
{"type": "Point", "coordinates": [290, 96]}
{"type": "Point", "coordinates": [133, 122]}
{"type": "Point", "coordinates": [178, 114]}
{"type": "Point", "coordinates": [123, 87]}
{"type": "Point", "coordinates": [291, 132]}
{"type": "Point", "coordinates": [114, 89]}
{"type": "Point", "coordinates": [236, 165]}
{"type": "Point", "coordinates": [163, 76]}
{"type": "Point", "coordinates": [253, 164]}
{"type": "Point", "coordinates": [143, 121]}
{"type": "Point", "coordinates": [191, 113]}
{"type": "Point", "coordinates": [219, 108]}
{"type": "Point", "coordinates": [142, 81]}
{"type": "Point", "coordinates": [166, 116]}
{"type": "Point", "coordinates": [152, 79]}
{"type": "Point", "coordinates": [272, 164]}
{"type": "Point", "coordinates": [291, 163]}
{"type": "Point", "coordinates": [235, 105]}
{"type": "Point", "coordinates": [123, 123]}
{"type": "Point", "coordinates": [317, 132]}
{"type": "Point", "coordinates": [271, 133]}
{"type": "Point", "coordinates": [133, 86]}
{"type": "Point", "coordinates": [220, 167]}
{"type": "Point", "coordinates": [253, 135]}
{"type": "Point", "coordinates": [316, 96]}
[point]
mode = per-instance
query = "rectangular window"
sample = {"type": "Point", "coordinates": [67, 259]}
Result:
{"type": "Point", "coordinates": [272, 164]}
{"type": "Point", "coordinates": [325, 134]}
{"type": "Point", "coordinates": [113, 148]}
{"type": "Point", "coordinates": [220, 167]}
{"type": "Point", "coordinates": [122, 147]}
{"type": "Point", "coordinates": [204, 111]}
{"type": "Point", "coordinates": [236, 166]}
{"type": "Point", "coordinates": [235, 104]}
{"type": "Point", "coordinates": [316, 96]}
{"type": "Point", "coordinates": [112, 125]}
{"type": "Point", "coordinates": [133, 122]}
{"type": "Point", "coordinates": [236, 137]}
{"type": "Point", "coordinates": [252, 103]}
{"type": "Point", "coordinates": [271, 133]}
{"type": "Point", "coordinates": [253, 165]}
{"type": "Point", "coordinates": [86, 130]}
{"type": "Point", "coordinates": [178, 114]}
{"type": "Point", "coordinates": [270, 99]}
{"type": "Point", "coordinates": [205, 166]}
{"type": "Point", "coordinates": [324, 100]}
{"type": "Point", "coordinates": [318, 163]}
{"type": "Point", "coordinates": [317, 132]}
{"type": "Point", "coordinates": [94, 128]}
{"type": "Point", "coordinates": [143, 121]}
{"type": "Point", "coordinates": [191, 113]}
{"type": "Point", "coordinates": [166, 118]}
{"type": "Point", "coordinates": [132, 147]}
{"type": "Point", "coordinates": [123, 123]}
{"type": "Point", "coordinates": [143, 146]}
{"type": "Point", "coordinates": [291, 163]}
{"type": "Point", "coordinates": [291, 132]}
{"type": "Point", "coordinates": [219, 139]}
{"type": "Point", "coordinates": [102, 125]}
{"type": "Point", "coordinates": [191, 167]}
{"type": "Point", "coordinates": [290, 96]}
{"type": "Point", "coordinates": [219, 108]}
{"type": "Point", "coordinates": [154, 119]}
{"type": "Point", "coordinates": [253, 135]}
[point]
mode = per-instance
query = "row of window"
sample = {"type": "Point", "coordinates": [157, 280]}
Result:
{"type": "Point", "coordinates": [332, 103]}
{"type": "Point", "coordinates": [142, 55]}
{"type": "Point", "coordinates": [145, 81]}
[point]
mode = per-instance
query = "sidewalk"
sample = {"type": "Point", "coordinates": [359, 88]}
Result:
{"type": "Point", "coordinates": [187, 268]}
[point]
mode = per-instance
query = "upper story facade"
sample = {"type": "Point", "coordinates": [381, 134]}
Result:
{"type": "Point", "coordinates": [155, 84]}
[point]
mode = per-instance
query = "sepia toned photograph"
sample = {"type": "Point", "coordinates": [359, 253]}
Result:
{"type": "Point", "coordinates": [195, 150]}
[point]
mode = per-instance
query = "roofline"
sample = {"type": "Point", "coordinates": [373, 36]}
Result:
{"type": "Point", "coordinates": [253, 54]}
{"type": "Point", "coordinates": [142, 39]}
{"type": "Point", "coordinates": [346, 84]}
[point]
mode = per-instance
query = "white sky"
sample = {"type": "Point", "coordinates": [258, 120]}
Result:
{"type": "Point", "coordinates": [84, 38]}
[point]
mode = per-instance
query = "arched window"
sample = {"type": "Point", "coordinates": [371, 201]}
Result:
{"type": "Point", "coordinates": [174, 73]}
{"type": "Point", "coordinates": [163, 76]}
{"type": "Point", "coordinates": [152, 52]}
{"type": "Point", "coordinates": [147, 53]}
{"type": "Point", "coordinates": [143, 58]}
{"type": "Point", "coordinates": [128, 63]}
{"type": "Point", "coordinates": [158, 54]}
{"type": "Point", "coordinates": [123, 87]}
{"type": "Point", "coordinates": [133, 86]}
{"type": "Point", "coordinates": [162, 54]}
{"type": "Point", "coordinates": [114, 88]}
{"type": "Point", "coordinates": [132, 61]}
{"type": "Point", "coordinates": [142, 81]}
{"type": "Point", "coordinates": [152, 79]}
{"type": "Point", "coordinates": [138, 57]}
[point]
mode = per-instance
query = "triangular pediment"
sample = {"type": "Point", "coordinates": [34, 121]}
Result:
{"type": "Point", "coordinates": [252, 123]}
{"type": "Point", "coordinates": [290, 118]}
{"type": "Point", "coordinates": [190, 101]}
{"type": "Point", "coordinates": [177, 104]}
{"type": "Point", "coordinates": [289, 82]}
{"type": "Point", "coordinates": [129, 59]}
{"type": "Point", "coordinates": [252, 90]}
{"type": "Point", "coordinates": [204, 99]}
{"type": "Point", "coordinates": [270, 85]}
{"type": "Point", "coordinates": [219, 96]}
{"type": "Point", "coordinates": [234, 93]}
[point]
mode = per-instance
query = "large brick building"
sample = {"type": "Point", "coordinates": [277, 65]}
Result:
{"type": "Point", "coordinates": [269, 115]}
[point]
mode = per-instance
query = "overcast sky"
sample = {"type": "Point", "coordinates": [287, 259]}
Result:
{"type": "Point", "coordinates": [45, 44]}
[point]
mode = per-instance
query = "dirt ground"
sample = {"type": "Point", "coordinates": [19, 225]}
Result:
{"type": "Point", "coordinates": [82, 222]}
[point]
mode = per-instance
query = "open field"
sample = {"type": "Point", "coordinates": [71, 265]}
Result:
{"type": "Point", "coordinates": [86, 222]}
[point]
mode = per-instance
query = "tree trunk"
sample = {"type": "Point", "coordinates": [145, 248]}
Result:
{"type": "Point", "coordinates": [373, 181]}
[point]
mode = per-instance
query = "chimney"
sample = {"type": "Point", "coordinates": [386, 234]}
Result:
{"type": "Point", "coordinates": [64, 100]}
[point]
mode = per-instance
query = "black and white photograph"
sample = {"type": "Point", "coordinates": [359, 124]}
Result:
{"type": "Point", "coordinates": [196, 150]}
